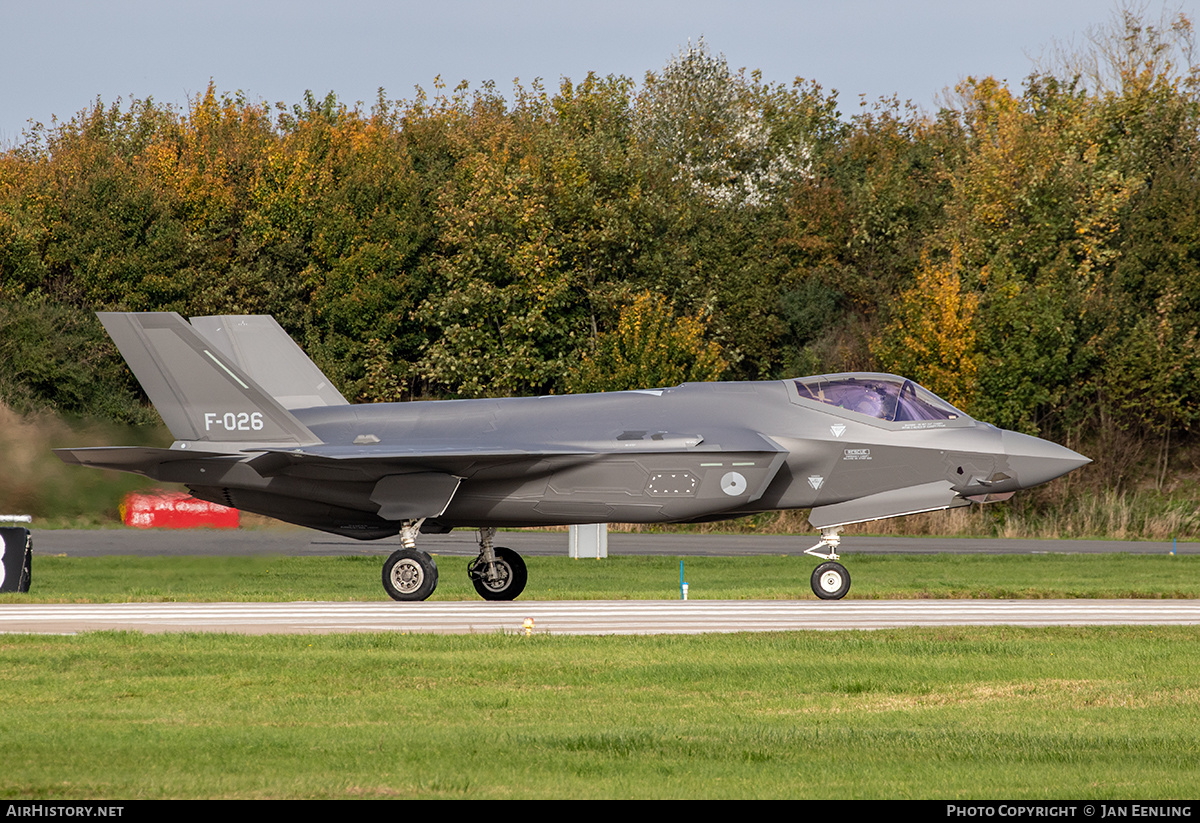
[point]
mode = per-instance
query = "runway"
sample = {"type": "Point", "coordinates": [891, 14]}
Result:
{"type": "Point", "coordinates": [603, 617]}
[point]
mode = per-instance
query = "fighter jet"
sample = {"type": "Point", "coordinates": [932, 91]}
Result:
{"type": "Point", "coordinates": [257, 426]}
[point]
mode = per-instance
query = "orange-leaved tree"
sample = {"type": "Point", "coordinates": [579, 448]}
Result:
{"type": "Point", "coordinates": [931, 336]}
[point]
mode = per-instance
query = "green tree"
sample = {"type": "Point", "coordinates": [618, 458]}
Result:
{"type": "Point", "coordinates": [649, 348]}
{"type": "Point", "coordinates": [59, 358]}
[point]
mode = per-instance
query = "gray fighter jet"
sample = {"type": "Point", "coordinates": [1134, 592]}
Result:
{"type": "Point", "coordinates": [257, 426]}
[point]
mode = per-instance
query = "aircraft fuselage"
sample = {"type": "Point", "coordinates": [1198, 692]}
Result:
{"type": "Point", "coordinates": [699, 451]}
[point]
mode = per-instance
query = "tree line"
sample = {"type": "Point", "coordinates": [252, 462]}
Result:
{"type": "Point", "coordinates": [1032, 254]}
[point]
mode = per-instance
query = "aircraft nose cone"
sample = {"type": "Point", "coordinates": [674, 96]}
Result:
{"type": "Point", "coordinates": [1038, 461]}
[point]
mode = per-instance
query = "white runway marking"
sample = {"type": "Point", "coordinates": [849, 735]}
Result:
{"type": "Point", "coordinates": [588, 617]}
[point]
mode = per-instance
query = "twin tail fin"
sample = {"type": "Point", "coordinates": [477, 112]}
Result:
{"type": "Point", "coordinates": [201, 392]}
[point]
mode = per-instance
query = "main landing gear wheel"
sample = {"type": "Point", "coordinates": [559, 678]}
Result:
{"type": "Point", "coordinates": [509, 580]}
{"type": "Point", "coordinates": [409, 574]}
{"type": "Point", "coordinates": [830, 581]}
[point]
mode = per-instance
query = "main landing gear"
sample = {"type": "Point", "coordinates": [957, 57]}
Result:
{"type": "Point", "coordinates": [410, 574]}
{"type": "Point", "coordinates": [830, 580]}
{"type": "Point", "coordinates": [498, 573]}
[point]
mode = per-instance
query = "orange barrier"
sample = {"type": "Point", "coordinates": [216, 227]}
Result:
{"type": "Point", "coordinates": [174, 510]}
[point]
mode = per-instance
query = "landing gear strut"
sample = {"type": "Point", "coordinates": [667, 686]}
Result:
{"type": "Point", "coordinates": [497, 573]}
{"type": "Point", "coordinates": [830, 580]}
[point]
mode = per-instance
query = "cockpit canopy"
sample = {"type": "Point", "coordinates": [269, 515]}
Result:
{"type": "Point", "coordinates": [882, 396]}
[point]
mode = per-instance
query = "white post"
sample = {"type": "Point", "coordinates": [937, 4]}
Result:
{"type": "Point", "coordinates": [590, 540]}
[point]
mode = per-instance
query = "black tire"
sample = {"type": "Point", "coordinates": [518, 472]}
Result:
{"type": "Point", "coordinates": [830, 581]}
{"type": "Point", "coordinates": [409, 575]}
{"type": "Point", "coordinates": [513, 576]}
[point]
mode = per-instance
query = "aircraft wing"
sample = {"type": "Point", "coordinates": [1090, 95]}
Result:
{"type": "Point", "coordinates": [412, 481]}
{"type": "Point", "coordinates": [378, 461]}
{"type": "Point", "coordinates": [329, 463]}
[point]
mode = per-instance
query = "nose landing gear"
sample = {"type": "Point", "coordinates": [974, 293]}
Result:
{"type": "Point", "coordinates": [830, 580]}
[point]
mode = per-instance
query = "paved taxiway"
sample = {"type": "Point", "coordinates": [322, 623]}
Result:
{"type": "Point", "coordinates": [567, 617]}
{"type": "Point", "coordinates": [589, 617]}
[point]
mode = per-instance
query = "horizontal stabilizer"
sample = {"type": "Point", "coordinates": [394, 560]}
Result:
{"type": "Point", "coordinates": [927, 497]}
{"type": "Point", "coordinates": [136, 459]}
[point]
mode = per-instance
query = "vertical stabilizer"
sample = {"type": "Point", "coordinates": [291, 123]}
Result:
{"type": "Point", "coordinates": [262, 349]}
{"type": "Point", "coordinates": [200, 392]}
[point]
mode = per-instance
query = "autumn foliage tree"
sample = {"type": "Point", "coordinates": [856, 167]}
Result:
{"type": "Point", "coordinates": [650, 348]}
{"type": "Point", "coordinates": [931, 336]}
{"type": "Point", "coordinates": [1031, 252]}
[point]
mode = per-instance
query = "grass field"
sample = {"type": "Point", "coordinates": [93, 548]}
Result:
{"type": "Point", "coordinates": [915, 713]}
{"type": "Point", "coordinates": [115, 579]}
{"type": "Point", "coordinates": [944, 713]}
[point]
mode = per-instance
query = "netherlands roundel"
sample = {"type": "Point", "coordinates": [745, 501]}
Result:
{"type": "Point", "coordinates": [733, 484]}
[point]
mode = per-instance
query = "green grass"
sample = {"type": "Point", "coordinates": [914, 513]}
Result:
{"type": "Point", "coordinates": [944, 713]}
{"type": "Point", "coordinates": [108, 579]}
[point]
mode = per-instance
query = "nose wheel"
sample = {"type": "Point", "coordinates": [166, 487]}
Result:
{"type": "Point", "coordinates": [830, 581]}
